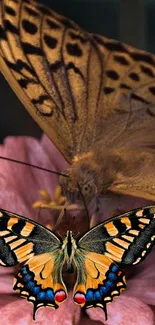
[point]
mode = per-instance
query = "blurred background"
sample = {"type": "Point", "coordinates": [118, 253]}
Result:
{"type": "Point", "coordinates": [130, 21]}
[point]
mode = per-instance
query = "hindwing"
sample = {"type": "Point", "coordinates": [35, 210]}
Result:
{"type": "Point", "coordinates": [99, 280]}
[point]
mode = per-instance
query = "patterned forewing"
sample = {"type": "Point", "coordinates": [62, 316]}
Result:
{"type": "Point", "coordinates": [48, 57]}
{"type": "Point", "coordinates": [129, 72]}
{"type": "Point", "coordinates": [126, 239]}
{"type": "Point", "coordinates": [22, 239]}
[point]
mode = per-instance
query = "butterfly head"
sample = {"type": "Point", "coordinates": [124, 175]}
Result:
{"type": "Point", "coordinates": [80, 184]}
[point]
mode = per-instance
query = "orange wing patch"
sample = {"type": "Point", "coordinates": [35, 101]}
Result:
{"type": "Point", "coordinates": [24, 252]}
{"type": "Point", "coordinates": [18, 247]}
{"type": "Point", "coordinates": [27, 229]}
{"type": "Point", "coordinates": [24, 228]}
{"type": "Point", "coordinates": [40, 280]}
{"type": "Point", "coordinates": [114, 252]}
{"type": "Point", "coordinates": [111, 229]}
{"type": "Point", "coordinates": [99, 280]}
{"type": "Point", "coordinates": [11, 222]}
{"type": "Point", "coordinates": [42, 266]}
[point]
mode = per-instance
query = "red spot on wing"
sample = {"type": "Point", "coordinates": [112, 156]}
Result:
{"type": "Point", "coordinates": [80, 298]}
{"type": "Point", "coordinates": [60, 296]}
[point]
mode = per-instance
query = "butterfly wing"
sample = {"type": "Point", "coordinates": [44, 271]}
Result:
{"type": "Point", "coordinates": [126, 239]}
{"type": "Point", "coordinates": [40, 278]}
{"type": "Point", "coordinates": [45, 58]}
{"type": "Point", "coordinates": [99, 280]}
{"type": "Point", "coordinates": [65, 76]}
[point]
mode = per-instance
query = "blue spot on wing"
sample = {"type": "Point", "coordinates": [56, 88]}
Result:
{"type": "Point", "coordinates": [112, 276]}
{"type": "Point", "coordinates": [109, 284]}
{"type": "Point", "coordinates": [35, 290]}
{"type": "Point", "coordinates": [30, 285]}
{"type": "Point", "coordinates": [27, 277]}
{"type": "Point", "coordinates": [24, 270]}
{"type": "Point", "coordinates": [49, 294]}
{"type": "Point", "coordinates": [41, 295]}
{"type": "Point", "coordinates": [89, 295]}
{"type": "Point", "coordinates": [103, 290]}
{"type": "Point", "coordinates": [97, 295]}
{"type": "Point", "coordinates": [114, 268]}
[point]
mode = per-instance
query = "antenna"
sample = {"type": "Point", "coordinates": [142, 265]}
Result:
{"type": "Point", "coordinates": [34, 166]}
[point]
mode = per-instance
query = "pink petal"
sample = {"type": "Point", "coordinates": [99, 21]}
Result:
{"type": "Point", "coordinates": [142, 284]}
{"type": "Point", "coordinates": [88, 321]}
{"type": "Point", "coordinates": [6, 284]}
{"type": "Point", "coordinates": [126, 310]}
{"type": "Point", "coordinates": [56, 157]}
{"type": "Point", "coordinates": [19, 312]}
{"type": "Point", "coordinates": [6, 300]}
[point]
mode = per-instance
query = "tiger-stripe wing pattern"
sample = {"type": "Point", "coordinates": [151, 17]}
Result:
{"type": "Point", "coordinates": [126, 239]}
{"type": "Point", "coordinates": [39, 280]}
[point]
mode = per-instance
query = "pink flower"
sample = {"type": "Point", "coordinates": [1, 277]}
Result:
{"type": "Point", "coordinates": [19, 187]}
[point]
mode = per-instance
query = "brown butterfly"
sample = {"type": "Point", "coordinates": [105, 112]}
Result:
{"type": "Point", "coordinates": [94, 97]}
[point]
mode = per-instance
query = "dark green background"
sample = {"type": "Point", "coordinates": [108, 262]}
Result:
{"type": "Point", "coordinates": [131, 21]}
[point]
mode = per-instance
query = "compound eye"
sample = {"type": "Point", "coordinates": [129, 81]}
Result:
{"type": "Point", "coordinates": [87, 190]}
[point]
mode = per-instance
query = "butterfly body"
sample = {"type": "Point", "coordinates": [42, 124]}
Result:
{"type": "Point", "coordinates": [69, 248]}
{"type": "Point", "coordinates": [97, 256]}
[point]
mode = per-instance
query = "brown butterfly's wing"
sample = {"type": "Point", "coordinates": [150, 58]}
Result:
{"type": "Point", "coordinates": [128, 166]}
{"type": "Point", "coordinates": [65, 76]}
{"type": "Point", "coordinates": [126, 240]}
{"type": "Point", "coordinates": [137, 176]}
{"type": "Point", "coordinates": [39, 280]}
{"type": "Point", "coordinates": [45, 58]}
